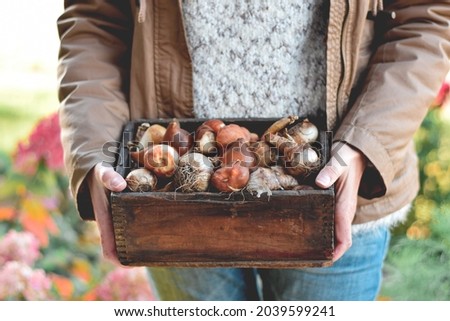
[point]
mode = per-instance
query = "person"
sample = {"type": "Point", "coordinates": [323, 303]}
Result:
{"type": "Point", "coordinates": [367, 70]}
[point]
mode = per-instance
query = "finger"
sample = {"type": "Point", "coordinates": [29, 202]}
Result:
{"type": "Point", "coordinates": [101, 207]}
{"type": "Point", "coordinates": [104, 222]}
{"type": "Point", "coordinates": [330, 173]}
{"type": "Point", "coordinates": [346, 196]}
{"type": "Point", "coordinates": [112, 180]}
{"type": "Point", "coordinates": [340, 249]}
{"type": "Point", "coordinates": [343, 233]}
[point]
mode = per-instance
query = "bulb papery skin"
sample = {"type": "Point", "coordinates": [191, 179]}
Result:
{"type": "Point", "coordinates": [214, 124]}
{"type": "Point", "coordinates": [231, 133]}
{"type": "Point", "coordinates": [304, 132]}
{"type": "Point", "coordinates": [265, 154]}
{"type": "Point", "coordinates": [205, 140]}
{"type": "Point", "coordinates": [153, 135]}
{"type": "Point", "coordinates": [178, 138]}
{"type": "Point", "coordinates": [161, 159]}
{"type": "Point", "coordinates": [301, 161]}
{"type": "Point", "coordinates": [141, 180]}
{"type": "Point", "coordinates": [241, 152]}
{"type": "Point", "coordinates": [231, 178]}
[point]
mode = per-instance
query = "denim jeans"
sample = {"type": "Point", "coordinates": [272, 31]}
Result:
{"type": "Point", "coordinates": [356, 276]}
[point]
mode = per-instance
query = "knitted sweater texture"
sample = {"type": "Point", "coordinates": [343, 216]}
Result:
{"type": "Point", "coordinates": [257, 58]}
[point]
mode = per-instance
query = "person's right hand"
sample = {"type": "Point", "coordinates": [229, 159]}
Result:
{"type": "Point", "coordinates": [102, 180]}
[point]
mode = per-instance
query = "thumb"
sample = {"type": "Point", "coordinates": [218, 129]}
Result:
{"type": "Point", "coordinates": [330, 173]}
{"type": "Point", "coordinates": [112, 180]}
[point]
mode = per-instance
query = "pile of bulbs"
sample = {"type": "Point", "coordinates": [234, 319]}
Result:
{"type": "Point", "coordinates": [223, 157]}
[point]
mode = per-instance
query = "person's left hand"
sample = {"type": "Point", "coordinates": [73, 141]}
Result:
{"type": "Point", "coordinates": [345, 168]}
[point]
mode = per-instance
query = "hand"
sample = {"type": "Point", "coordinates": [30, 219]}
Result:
{"type": "Point", "coordinates": [345, 168]}
{"type": "Point", "coordinates": [103, 179]}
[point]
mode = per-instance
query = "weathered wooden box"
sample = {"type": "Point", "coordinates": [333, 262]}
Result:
{"type": "Point", "coordinates": [286, 230]}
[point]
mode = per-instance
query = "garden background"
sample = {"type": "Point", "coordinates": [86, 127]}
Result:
{"type": "Point", "coordinates": [47, 252]}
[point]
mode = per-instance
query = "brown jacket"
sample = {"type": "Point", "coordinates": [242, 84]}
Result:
{"type": "Point", "coordinates": [128, 59]}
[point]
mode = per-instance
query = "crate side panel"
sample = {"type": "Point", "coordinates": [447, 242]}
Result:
{"type": "Point", "coordinates": [282, 229]}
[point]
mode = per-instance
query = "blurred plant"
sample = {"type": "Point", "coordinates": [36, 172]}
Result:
{"type": "Point", "coordinates": [125, 284]}
{"type": "Point", "coordinates": [419, 268]}
{"type": "Point", "coordinates": [42, 145]}
{"type": "Point", "coordinates": [46, 250]}
{"type": "Point", "coordinates": [19, 246]}
{"type": "Point", "coordinates": [418, 262]}
{"type": "Point", "coordinates": [18, 281]}
{"type": "Point", "coordinates": [443, 94]}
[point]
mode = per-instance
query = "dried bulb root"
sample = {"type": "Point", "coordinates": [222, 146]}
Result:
{"type": "Point", "coordinates": [193, 173]}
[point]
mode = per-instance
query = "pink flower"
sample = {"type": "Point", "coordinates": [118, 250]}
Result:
{"type": "Point", "coordinates": [19, 246]}
{"type": "Point", "coordinates": [38, 286]}
{"type": "Point", "coordinates": [124, 284]}
{"type": "Point", "coordinates": [19, 281]}
{"type": "Point", "coordinates": [43, 144]}
{"type": "Point", "coordinates": [443, 95]}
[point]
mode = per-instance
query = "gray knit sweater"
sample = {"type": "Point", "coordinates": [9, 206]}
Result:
{"type": "Point", "coordinates": [257, 58]}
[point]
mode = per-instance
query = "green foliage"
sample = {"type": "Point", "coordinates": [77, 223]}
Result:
{"type": "Point", "coordinates": [418, 262]}
{"type": "Point", "coordinates": [420, 269]}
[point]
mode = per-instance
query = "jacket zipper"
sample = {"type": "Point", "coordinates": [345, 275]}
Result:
{"type": "Point", "coordinates": [376, 12]}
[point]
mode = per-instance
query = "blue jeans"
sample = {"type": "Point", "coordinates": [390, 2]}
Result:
{"type": "Point", "coordinates": [356, 276]}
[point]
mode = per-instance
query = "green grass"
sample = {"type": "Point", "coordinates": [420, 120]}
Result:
{"type": "Point", "coordinates": [19, 112]}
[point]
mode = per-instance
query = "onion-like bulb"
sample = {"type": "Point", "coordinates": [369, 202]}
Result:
{"type": "Point", "coordinates": [230, 134]}
{"type": "Point", "coordinates": [193, 173]}
{"type": "Point", "coordinates": [141, 180]}
{"type": "Point", "coordinates": [304, 132]}
{"type": "Point", "coordinates": [178, 138]}
{"type": "Point", "coordinates": [266, 180]}
{"type": "Point", "coordinates": [161, 159]}
{"type": "Point", "coordinates": [152, 135]}
{"type": "Point", "coordinates": [231, 178]}
{"type": "Point", "coordinates": [214, 124]}
{"type": "Point", "coordinates": [205, 140]}
{"type": "Point", "coordinates": [301, 160]}
{"type": "Point", "coordinates": [239, 151]}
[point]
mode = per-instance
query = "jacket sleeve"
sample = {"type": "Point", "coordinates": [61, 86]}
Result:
{"type": "Point", "coordinates": [93, 71]}
{"type": "Point", "coordinates": [403, 78]}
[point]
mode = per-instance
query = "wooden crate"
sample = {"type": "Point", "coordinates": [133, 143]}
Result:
{"type": "Point", "coordinates": [286, 230]}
